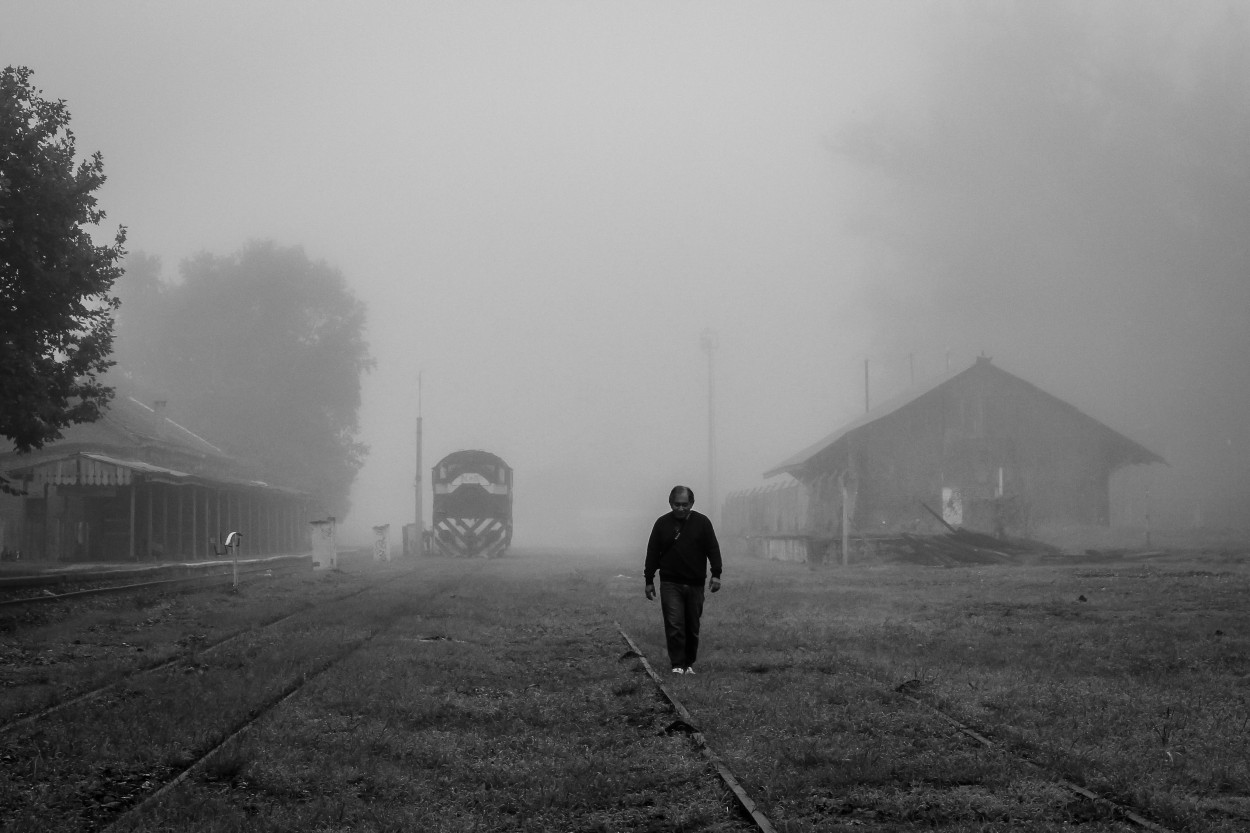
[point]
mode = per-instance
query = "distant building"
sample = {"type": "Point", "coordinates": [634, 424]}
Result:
{"type": "Point", "coordinates": [135, 486]}
{"type": "Point", "coordinates": [984, 449]}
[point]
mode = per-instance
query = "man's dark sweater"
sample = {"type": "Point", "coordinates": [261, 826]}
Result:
{"type": "Point", "coordinates": [681, 550]}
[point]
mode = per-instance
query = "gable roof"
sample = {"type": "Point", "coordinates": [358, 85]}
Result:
{"type": "Point", "coordinates": [1130, 451]}
{"type": "Point", "coordinates": [132, 437]}
{"type": "Point", "coordinates": [142, 423]}
{"type": "Point", "coordinates": [126, 424]}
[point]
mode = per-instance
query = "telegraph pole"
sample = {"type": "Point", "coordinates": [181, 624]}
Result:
{"type": "Point", "coordinates": [420, 536]}
{"type": "Point", "coordinates": [709, 342]}
{"type": "Point", "coordinates": [865, 386]}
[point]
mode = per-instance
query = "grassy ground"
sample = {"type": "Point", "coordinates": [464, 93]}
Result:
{"type": "Point", "coordinates": [50, 650]}
{"type": "Point", "coordinates": [1131, 680]}
{"type": "Point", "coordinates": [492, 696]}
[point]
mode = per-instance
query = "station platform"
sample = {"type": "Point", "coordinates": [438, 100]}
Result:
{"type": "Point", "coordinates": [17, 574]}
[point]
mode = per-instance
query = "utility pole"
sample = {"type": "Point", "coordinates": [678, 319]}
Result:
{"type": "Point", "coordinates": [710, 342]}
{"type": "Point", "coordinates": [418, 543]}
{"type": "Point", "coordinates": [865, 386]}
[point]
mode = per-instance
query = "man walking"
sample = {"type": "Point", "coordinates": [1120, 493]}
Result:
{"type": "Point", "coordinates": [681, 546]}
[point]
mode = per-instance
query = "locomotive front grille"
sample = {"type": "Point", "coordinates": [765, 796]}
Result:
{"type": "Point", "coordinates": [471, 536]}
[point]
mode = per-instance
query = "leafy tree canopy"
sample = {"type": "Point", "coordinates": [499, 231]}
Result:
{"type": "Point", "coordinates": [56, 313]}
{"type": "Point", "coordinates": [263, 352]}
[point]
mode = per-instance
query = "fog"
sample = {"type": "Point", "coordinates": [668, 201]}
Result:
{"type": "Point", "coordinates": [544, 206]}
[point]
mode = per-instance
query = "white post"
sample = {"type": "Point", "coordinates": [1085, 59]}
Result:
{"type": "Point", "coordinates": [232, 541]}
{"type": "Point", "coordinates": [381, 546]}
{"type": "Point", "coordinates": [323, 545]}
{"type": "Point", "coordinates": [846, 527]}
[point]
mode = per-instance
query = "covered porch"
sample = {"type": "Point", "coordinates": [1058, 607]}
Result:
{"type": "Point", "coordinates": [93, 507]}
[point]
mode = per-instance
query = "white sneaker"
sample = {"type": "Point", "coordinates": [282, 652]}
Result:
{"type": "Point", "coordinates": [689, 669]}
{"type": "Point", "coordinates": [679, 671]}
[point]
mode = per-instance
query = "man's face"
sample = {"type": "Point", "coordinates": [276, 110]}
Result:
{"type": "Point", "coordinates": [681, 505]}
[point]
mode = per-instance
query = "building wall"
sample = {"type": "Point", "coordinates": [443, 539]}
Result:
{"type": "Point", "coordinates": [1010, 457]}
{"type": "Point", "coordinates": [93, 523]}
{"type": "Point", "coordinates": [11, 527]}
{"type": "Point", "coordinates": [1016, 458]}
{"type": "Point", "coordinates": [770, 510]}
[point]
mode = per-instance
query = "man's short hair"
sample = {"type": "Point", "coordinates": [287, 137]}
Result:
{"type": "Point", "coordinates": [676, 490]}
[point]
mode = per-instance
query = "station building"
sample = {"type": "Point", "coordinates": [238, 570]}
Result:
{"type": "Point", "coordinates": [978, 448]}
{"type": "Point", "coordinates": [137, 486]}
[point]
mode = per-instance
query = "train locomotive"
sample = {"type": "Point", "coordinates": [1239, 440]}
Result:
{"type": "Point", "coordinates": [472, 504]}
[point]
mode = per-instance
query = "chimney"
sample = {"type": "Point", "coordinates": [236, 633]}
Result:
{"type": "Point", "coordinates": [158, 410]}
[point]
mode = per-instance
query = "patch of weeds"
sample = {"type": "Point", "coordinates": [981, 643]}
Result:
{"type": "Point", "coordinates": [180, 759]}
{"type": "Point", "coordinates": [144, 601]}
{"type": "Point", "coordinates": [955, 771]}
{"type": "Point", "coordinates": [1073, 767]}
{"type": "Point", "coordinates": [861, 768]}
{"type": "Point", "coordinates": [228, 766]}
{"type": "Point", "coordinates": [115, 788]}
{"type": "Point", "coordinates": [625, 688]}
{"type": "Point", "coordinates": [637, 717]}
{"type": "Point", "coordinates": [1083, 811]}
{"type": "Point", "coordinates": [812, 754]}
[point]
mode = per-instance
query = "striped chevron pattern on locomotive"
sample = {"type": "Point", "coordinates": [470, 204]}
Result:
{"type": "Point", "coordinates": [472, 505]}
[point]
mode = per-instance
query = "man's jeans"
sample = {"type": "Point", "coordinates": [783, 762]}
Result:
{"type": "Point", "coordinates": [682, 605]}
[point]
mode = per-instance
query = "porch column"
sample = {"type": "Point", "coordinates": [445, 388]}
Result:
{"type": "Point", "coordinates": [194, 523]}
{"type": "Point", "coordinates": [47, 516]}
{"type": "Point", "coordinates": [207, 547]}
{"type": "Point", "coordinates": [147, 545]}
{"type": "Point", "coordinates": [134, 485]}
{"type": "Point", "coordinates": [164, 521]}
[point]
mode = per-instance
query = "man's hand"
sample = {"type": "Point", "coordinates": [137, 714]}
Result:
{"type": "Point", "coordinates": [715, 585]}
{"type": "Point", "coordinates": [650, 592]}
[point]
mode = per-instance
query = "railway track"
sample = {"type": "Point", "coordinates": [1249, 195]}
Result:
{"type": "Point", "coordinates": [182, 657]}
{"type": "Point", "coordinates": [238, 729]}
{"type": "Point", "coordinates": [1116, 808]}
{"type": "Point", "coordinates": [143, 800]}
{"type": "Point", "coordinates": [26, 592]}
{"type": "Point", "coordinates": [727, 777]}
{"type": "Point", "coordinates": [129, 797]}
{"type": "Point", "coordinates": [761, 821]}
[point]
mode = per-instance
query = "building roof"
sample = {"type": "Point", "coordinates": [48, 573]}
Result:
{"type": "Point", "coordinates": [132, 437]}
{"type": "Point", "coordinates": [86, 468]}
{"type": "Point", "coordinates": [1130, 452]}
{"type": "Point", "coordinates": [141, 424]}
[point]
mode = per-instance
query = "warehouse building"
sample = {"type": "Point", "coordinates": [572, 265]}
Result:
{"type": "Point", "coordinates": [979, 448]}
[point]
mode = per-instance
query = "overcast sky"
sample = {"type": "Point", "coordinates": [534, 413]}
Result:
{"type": "Point", "coordinates": [543, 204]}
